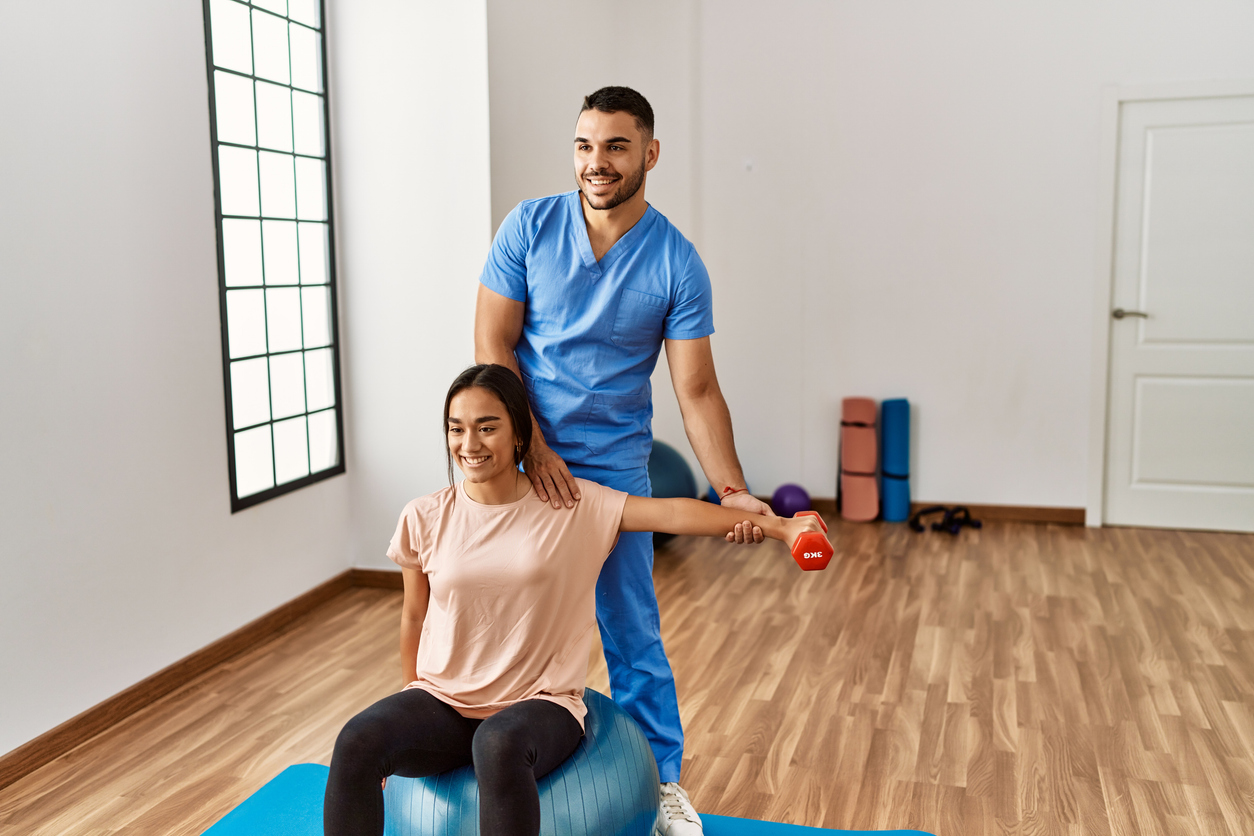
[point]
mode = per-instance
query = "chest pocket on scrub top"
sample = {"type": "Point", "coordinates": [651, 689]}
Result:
{"type": "Point", "coordinates": [639, 319]}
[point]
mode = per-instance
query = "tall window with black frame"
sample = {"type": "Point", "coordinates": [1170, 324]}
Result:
{"type": "Point", "coordinates": [276, 273]}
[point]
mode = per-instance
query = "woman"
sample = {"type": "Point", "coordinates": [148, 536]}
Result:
{"type": "Point", "coordinates": [498, 618]}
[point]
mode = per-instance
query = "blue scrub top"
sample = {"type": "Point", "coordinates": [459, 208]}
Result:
{"type": "Point", "coordinates": [593, 330]}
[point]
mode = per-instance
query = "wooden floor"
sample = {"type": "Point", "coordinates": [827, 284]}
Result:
{"type": "Point", "coordinates": [1025, 679]}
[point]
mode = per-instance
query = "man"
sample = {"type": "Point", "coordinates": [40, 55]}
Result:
{"type": "Point", "coordinates": [579, 294]}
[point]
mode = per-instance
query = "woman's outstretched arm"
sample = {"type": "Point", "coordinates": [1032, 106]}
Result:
{"type": "Point", "coordinates": [692, 516]}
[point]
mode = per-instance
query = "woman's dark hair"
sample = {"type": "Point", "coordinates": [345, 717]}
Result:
{"type": "Point", "coordinates": [625, 100]}
{"type": "Point", "coordinates": [503, 383]}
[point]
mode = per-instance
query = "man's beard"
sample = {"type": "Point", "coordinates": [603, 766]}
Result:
{"type": "Point", "coordinates": [627, 189]}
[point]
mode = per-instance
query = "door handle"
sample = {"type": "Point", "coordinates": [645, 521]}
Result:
{"type": "Point", "coordinates": [1120, 313]}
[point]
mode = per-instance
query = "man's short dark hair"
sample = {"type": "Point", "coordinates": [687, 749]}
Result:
{"type": "Point", "coordinates": [624, 100]}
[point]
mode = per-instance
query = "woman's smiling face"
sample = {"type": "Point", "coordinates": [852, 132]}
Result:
{"type": "Point", "coordinates": [481, 437]}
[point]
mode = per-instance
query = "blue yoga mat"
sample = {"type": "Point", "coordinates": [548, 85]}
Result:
{"type": "Point", "coordinates": [895, 459]}
{"type": "Point", "coordinates": [291, 805]}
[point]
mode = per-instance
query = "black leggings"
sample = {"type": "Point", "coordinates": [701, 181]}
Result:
{"type": "Point", "coordinates": [413, 734]}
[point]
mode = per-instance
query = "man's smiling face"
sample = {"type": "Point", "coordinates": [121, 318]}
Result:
{"type": "Point", "coordinates": [612, 156]}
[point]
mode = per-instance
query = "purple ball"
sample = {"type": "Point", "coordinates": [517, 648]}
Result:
{"type": "Point", "coordinates": [789, 499]}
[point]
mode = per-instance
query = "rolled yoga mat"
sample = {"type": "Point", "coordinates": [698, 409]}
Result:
{"type": "Point", "coordinates": [895, 458]}
{"type": "Point", "coordinates": [859, 458]}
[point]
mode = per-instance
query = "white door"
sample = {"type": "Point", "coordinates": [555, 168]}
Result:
{"type": "Point", "coordinates": [1180, 445]}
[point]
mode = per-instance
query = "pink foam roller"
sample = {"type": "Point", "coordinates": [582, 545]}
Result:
{"type": "Point", "coordinates": [859, 497]}
{"type": "Point", "coordinates": [859, 411]}
{"type": "Point", "coordinates": [858, 450]}
{"type": "Point", "coordinates": [859, 460]}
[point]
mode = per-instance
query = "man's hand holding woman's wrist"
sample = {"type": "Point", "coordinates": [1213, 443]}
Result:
{"type": "Point", "coordinates": [746, 532]}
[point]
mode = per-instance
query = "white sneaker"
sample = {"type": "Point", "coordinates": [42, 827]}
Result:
{"type": "Point", "coordinates": [676, 816]}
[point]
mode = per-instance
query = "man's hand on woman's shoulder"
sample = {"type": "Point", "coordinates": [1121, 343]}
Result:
{"type": "Point", "coordinates": [550, 476]}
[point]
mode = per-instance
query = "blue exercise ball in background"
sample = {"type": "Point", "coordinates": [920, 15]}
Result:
{"type": "Point", "coordinates": [608, 787]}
{"type": "Point", "coordinates": [670, 477]}
{"type": "Point", "coordinates": [789, 499]}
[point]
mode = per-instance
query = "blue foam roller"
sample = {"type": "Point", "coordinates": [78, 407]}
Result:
{"type": "Point", "coordinates": [608, 787]}
{"type": "Point", "coordinates": [895, 499]}
{"type": "Point", "coordinates": [895, 459]}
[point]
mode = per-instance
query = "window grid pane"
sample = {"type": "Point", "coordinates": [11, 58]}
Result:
{"type": "Point", "coordinates": [277, 289]}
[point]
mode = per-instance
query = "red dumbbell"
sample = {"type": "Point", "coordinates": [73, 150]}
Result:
{"type": "Point", "coordinates": [811, 549]}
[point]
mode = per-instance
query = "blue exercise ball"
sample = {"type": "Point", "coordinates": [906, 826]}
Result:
{"type": "Point", "coordinates": [608, 787]}
{"type": "Point", "coordinates": [789, 499]}
{"type": "Point", "coordinates": [670, 477]}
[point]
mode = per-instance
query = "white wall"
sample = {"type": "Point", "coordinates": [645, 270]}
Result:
{"type": "Point", "coordinates": [410, 114]}
{"type": "Point", "coordinates": [120, 554]}
{"type": "Point", "coordinates": [894, 199]}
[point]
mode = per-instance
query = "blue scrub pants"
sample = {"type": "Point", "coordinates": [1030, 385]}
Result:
{"type": "Point", "coordinates": [640, 674]}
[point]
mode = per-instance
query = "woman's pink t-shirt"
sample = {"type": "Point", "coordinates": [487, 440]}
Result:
{"type": "Point", "coordinates": [513, 594]}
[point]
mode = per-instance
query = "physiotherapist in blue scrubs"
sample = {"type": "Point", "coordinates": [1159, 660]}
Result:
{"type": "Point", "coordinates": [580, 292]}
